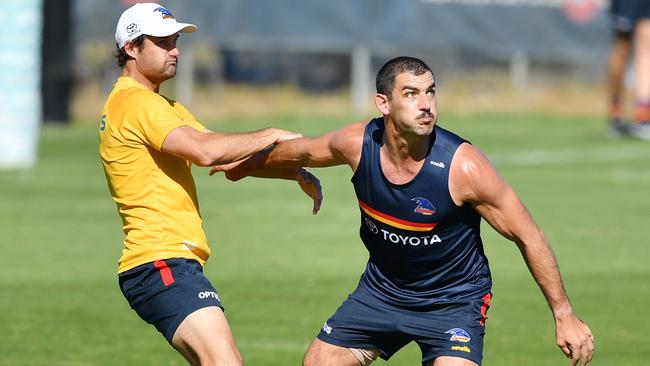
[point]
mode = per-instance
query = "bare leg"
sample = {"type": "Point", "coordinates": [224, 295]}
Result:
{"type": "Point", "coordinates": [321, 353]}
{"type": "Point", "coordinates": [204, 338]}
{"type": "Point", "coordinates": [451, 361]}
{"type": "Point", "coordinates": [641, 129]}
{"type": "Point", "coordinates": [642, 70]}
{"type": "Point", "coordinates": [618, 57]}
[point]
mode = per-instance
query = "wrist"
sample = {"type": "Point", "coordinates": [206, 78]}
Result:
{"type": "Point", "coordinates": [562, 311]}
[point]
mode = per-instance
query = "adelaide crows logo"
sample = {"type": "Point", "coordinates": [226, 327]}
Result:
{"type": "Point", "coordinates": [459, 335]}
{"type": "Point", "coordinates": [164, 12]}
{"type": "Point", "coordinates": [424, 207]}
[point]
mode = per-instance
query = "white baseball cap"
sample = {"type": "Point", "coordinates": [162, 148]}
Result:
{"type": "Point", "coordinates": [150, 19]}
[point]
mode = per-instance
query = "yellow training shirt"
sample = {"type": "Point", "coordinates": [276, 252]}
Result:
{"type": "Point", "coordinates": [154, 190]}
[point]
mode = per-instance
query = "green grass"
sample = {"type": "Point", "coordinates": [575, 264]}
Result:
{"type": "Point", "coordinates": [281, 271]}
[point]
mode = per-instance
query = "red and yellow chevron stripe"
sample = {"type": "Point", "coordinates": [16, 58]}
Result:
{"type": "Point", "coordinates": [394, 221]}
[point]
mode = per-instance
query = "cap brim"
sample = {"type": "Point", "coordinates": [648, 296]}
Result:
{"type": "Point", "coordinates": [169, 29]}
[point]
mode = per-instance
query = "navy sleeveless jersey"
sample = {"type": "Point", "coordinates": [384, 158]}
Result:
{"type": "Point", "coordinates": [424, 249]}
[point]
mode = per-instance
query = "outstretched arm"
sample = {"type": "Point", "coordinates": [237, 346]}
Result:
{"type": "Point", "coordinates": [207, 148]}
{"type": "Point", "coordinates": [285, 159]}
{"type": "Point", "coordinates": [473, 180]}
{"type": "Point", "coordinates": [338, 147]}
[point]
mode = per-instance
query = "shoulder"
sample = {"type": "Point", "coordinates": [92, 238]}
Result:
{"type": "Point", "coordinates": [351, 131]}
{"type": "Point", "coordinates": [469, 160]}
{"type": "Point", "coordinates": [348, 136]}
{"type": "Point", "coordinates": [471, 174]}
{"type": "Point", "coordinates": [347, 142]}
{"type": "Point", "coordinates": [135, 96]}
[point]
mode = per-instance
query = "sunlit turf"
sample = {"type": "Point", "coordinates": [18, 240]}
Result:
{"type": "Point", "coordinates": [281, 271]}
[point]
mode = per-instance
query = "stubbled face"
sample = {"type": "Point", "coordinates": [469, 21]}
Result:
{"type": "Point", "coordinates": [158, 58]}
{"type": "Point", "coordinates": [412, 105]}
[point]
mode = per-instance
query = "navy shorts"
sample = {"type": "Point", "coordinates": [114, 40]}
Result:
{"type": "Point", "coordinates": [626, 13]}
{"type": "Point", "coordinates": [455, 328]}
{"type": "Point", "coordinates": [165, 292]}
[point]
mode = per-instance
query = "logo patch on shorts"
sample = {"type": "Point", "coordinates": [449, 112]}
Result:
{"type": "Point", "coordinates": [326, 328]}
{"type": "Point", "coordinates": [459, 335]}
{"type": "Point", "coordinates": [461, 348]}
{"type": "Point", "coordinates": [208, 294]}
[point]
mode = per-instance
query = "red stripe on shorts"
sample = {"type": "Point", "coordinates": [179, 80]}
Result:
{"type": "Point", "coordinates": [165, 272]}
{"type": "Point", "coordinates": [485, 307]}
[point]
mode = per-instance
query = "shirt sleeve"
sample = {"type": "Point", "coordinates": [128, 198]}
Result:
{"type": "Point", "coordinates": [154, 118]}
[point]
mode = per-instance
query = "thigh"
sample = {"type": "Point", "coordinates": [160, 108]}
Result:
{"type": "Point", "coordinates": [367, 324]}
{"type": "Point", "coordinates": [204, 338]}
{"type": "Point", "coordinates": [451, 361]}
{"type": "Point", "coordinates": [165, 292]}
{"type": "Point", "coordinates": [450, 333]}
{"type": "Point", "coordinates": [321, 353]}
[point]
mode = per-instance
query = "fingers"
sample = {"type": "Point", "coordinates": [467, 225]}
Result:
{"type": "Point", "coordinates": [214, 169]}
{"type": "Point", "coordinates": [317, 203]}
{"type": "Point", "coordinates": [318, 200]}
{"type": "Point", "coordinates": [566, 351]}
{"type": "Point", "coordinates": [311, 186]}
{"type": "Point", "coordinates": [587, 350]}
{"type": "Point", "coordinates": [316, 192]}
{"type": "Point", "coordinates": [581, 350]}
{"type": "Point", "coordinates": [587, 346]}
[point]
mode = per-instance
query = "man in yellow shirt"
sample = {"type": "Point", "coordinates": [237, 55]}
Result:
{"type": "Point", "coordinates": [148, 144]}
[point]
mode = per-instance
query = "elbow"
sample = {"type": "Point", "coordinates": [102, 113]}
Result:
{"type": "Point", "coordinates": [204, 159]}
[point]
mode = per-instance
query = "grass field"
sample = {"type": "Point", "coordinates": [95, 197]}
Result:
{"type": "Point", "coordinates": [281, 271]}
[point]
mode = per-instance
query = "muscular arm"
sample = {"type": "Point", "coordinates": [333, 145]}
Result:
{"type": "Point", "coordinates": [206, 148]}
{"type": "Point", "coordinates": [338, 147]}
{"type": "Point", "coordinates": [473, 180]}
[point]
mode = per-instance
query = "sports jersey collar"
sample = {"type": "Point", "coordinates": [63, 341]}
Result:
{"type": "Point", "coordinates": [127, 82]}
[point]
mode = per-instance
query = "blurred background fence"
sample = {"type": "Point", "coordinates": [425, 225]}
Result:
{"type": "Point", "coordinates": [317, 47]}
{"type": "Point", "coordinates": [335, 44]}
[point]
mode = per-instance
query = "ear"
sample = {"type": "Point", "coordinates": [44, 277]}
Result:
{"type": "Point", "coordinates": [381, 102]}
{"type": "Point", "coordinates": [131, 49]}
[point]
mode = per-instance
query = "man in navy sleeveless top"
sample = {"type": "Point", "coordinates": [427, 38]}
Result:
{"type": "Point", "coordinates": [422, 192]}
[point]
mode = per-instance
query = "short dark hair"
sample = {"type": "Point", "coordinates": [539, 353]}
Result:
{"type": "Point", "coordinates": [386, 76]}
{"type": "Point", "coordinates": [122, 56]}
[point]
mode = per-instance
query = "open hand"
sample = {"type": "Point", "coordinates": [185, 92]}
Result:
{"type": "Point", "coordinates": [311, 186]}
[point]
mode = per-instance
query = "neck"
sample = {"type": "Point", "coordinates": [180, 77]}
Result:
{"type": "Point", "coordinates": [401, 156]}
{"type": "Point", "coordinates": [402, 147]}
{"type": "Point", "coordinates": [130, 70]}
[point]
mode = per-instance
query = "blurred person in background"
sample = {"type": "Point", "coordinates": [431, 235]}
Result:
{"type": "Point", "coordinates": [147, 145]}
{"type": "Point", "coordinates": [422, 192]}
{"type": "Point", "coordinates": [631, 26]}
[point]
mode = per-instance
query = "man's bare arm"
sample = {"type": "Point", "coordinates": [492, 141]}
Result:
{"type": "Point", "coordinates": [207, 148]}
{"type": "Point", "coordinates": [338, 147]}
{"type": "Point", "coordinates": [473, 180]}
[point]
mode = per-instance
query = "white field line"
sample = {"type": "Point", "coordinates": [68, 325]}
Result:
{"type": "Point", "coordinates": [570, 156]}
